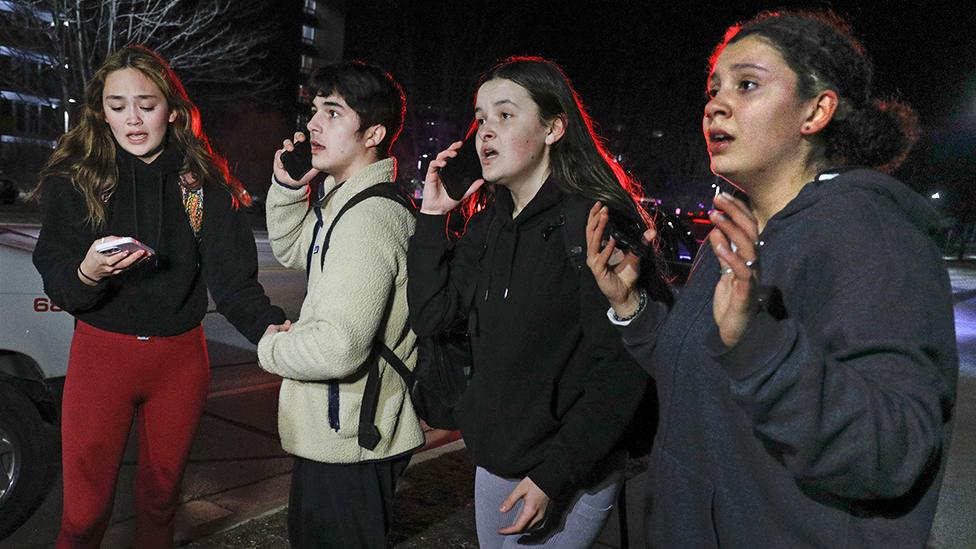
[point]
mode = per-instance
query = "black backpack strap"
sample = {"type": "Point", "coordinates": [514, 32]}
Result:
{"type": "Point", "coordinates": [385, 190]}
{"type": "Point", "coordinates": [369, 434]}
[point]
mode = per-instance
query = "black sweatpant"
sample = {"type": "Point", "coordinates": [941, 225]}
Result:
{"type": "Point", "coordinates": [342, 505]}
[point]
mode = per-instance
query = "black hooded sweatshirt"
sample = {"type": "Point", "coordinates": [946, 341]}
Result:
{"type": "Point", "coordinates": [827, 424]}
{"type": "Point", "coordinates": [553, 387]}
{"type": "Point", "coordinates": [165, 295]}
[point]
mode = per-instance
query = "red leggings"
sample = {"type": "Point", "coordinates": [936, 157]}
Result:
{"type": "Point", "coordinates": [111, 377]}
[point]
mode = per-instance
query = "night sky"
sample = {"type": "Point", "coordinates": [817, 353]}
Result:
{"type": "Point", "coordinates": [651, 57]}
{"type": "Point", "coordinates": [641, 66]}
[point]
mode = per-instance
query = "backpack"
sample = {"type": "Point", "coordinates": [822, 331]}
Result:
{"type": "Point", "coordinates": [443, 362]}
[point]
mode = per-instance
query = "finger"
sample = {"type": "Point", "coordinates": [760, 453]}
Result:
{"type": "Point", "coordinates": [525, 517]}
{"type": "Point", "coordinates": [744, 243]}
{"type": "Point", "coordinates": [727, 258]}
{"type": "Point", "coordinates": [513, 497]}
{"type": "Point", "coordinates": [473, 189]}
{"type": "Point", "coordinates": [299, 137]}
{"type": "Point", "coordinates": [593, 235]}
{"type": "Point", "coordinates": [277, 159]}
{"type": "Point", "coordinates": [649, 235]}
{"type": "Point", "coordinates": [739, 214]}
{"type": "Point", "coordinates": [455, 146]}
{"type": "Point", "coordinates": [309, 176]}
{"type": "Point", "coordinates": [287, 145]}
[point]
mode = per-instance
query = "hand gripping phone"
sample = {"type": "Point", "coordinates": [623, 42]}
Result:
{"type": "Point", "coordinates": [123, 244]}
{"type": "Point", "coordinates": [464, 169]}
{"type": "Point", "coordinates": [299, 161]}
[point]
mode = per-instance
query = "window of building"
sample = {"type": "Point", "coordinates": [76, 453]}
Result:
{"type": "Point", "coordinates": [308, 34]}
{"type": "Point", "coordinates": [310, 6]}
{"type": "Point", "coordinates": [307, 62]}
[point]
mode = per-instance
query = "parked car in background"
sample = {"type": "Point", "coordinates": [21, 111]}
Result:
{"type": "Point", "coordinates": [676, 243]}
{"type": "Point", "coordinates": [35, 338]}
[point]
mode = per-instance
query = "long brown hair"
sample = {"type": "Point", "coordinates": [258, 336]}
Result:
{"type": "Point", "coordinates": [86, 154]}
{"type": "Point", "coordinates": [579, 161]}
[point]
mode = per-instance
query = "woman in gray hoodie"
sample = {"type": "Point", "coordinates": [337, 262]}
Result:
{"type": "Point", "coordinates": [807, 374]}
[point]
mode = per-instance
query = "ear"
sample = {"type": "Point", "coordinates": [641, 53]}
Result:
{"type": "Point", "coordinates": [374, 135]}
{"type": "Point", "coordinates": [172, 116]}
{"type": "Point", "coordinates": [823, 107]}
{"type": "Point", "coordinates": [557, 128]}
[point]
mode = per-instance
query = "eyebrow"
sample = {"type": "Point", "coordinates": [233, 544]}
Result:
{"type": "Point", "coordinates": [499, 103]}
{"type": "Point", "coordinates": [150, 96]}
{"type": "Point", "coordinates": [744, 66]}
{"type": "Point", "coordinates": [328, 104]}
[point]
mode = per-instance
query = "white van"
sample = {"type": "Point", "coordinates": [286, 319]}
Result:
{"type": "Point", "coordinates": [35, 338]}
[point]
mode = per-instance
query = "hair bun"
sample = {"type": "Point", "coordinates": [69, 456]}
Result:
{"type": "Point", "coordinates": [878, 135]}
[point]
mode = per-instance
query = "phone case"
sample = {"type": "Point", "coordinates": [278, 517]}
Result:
{"type": "Point", "coordinates": [299, 161]}
{"type": "Point", "coordinates": [462, 170]}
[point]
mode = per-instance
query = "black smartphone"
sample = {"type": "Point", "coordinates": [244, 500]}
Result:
{"type": "Point", "coordinates": [462, 170]}
{"type": "Point", "coordinates": [627, 231]}
{"type": "Point", "coordinates": [299, 161]}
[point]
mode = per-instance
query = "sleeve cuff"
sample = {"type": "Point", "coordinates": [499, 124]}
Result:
{"type": "Point", "coordinates": [643, 327]}
{"type": "Point", "coordinates": [764, 340]}
{"type": "Point", "coordinates": [430, 227]}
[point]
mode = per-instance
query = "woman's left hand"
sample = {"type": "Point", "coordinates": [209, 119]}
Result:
{"type": "Point", "coordinates": [735, 243]}
{"type": "Point", "coordinates": [534, 504]}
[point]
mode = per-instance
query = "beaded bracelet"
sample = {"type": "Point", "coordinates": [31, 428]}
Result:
{"type": "Point", "coordinates": [640, 307]}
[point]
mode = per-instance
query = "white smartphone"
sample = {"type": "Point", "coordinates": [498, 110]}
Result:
{"type": "Point", "coordinates": [124, 244]}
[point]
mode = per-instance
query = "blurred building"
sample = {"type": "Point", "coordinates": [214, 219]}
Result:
{"type": "Point", "coordinates": [31, 117]}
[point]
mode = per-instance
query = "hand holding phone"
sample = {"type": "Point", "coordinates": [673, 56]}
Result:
{"type": "Point", "coordinates": [462, 170]}
{"type": "Point", "coordinates": [298, 161]}
{"type": "Point", "coordinates": [123, 244]}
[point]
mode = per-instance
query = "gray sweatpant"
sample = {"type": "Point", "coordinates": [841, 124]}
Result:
{"type": "Point", "coordinates": [588, 512]}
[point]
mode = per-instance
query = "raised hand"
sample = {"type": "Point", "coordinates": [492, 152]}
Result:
{"type": "Point", "coordinates": [278, 167]}
{"type": "Point", "coordinates": [616, 273]}
{"type": "Point", "coordinates": [435, 199]}
{"type": "Point", "coordinates": [735, 244]}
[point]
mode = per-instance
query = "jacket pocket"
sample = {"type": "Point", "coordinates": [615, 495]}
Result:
{"type": "Point", "coordinates": [680, 506]}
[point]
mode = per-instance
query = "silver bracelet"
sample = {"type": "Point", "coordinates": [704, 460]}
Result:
{"type": "Point", "coordinates": [640, 307]}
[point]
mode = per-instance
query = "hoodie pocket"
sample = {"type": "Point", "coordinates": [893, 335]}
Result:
{"type": "Point", "coordinates": [680, 506]}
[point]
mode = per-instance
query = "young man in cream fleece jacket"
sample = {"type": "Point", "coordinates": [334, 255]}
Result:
{"type": "Point", "coordinates": [341, 493]}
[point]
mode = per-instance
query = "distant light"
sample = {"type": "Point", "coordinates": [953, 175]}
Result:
{"type": "Point", "coordinates": [72, 101]}
{"type": "Point", "coordinates": [423, 156]}
{"type": "Point", "coordinates": [65, 65]}
{"type": "Point", "coordinates": [418, 165]}
{"type": "Point", "coordinates": [677, 211]}
{"type": "Point", "coordinates": [936, 196]}
{"type": "Point", "coordinates": [657, 133]}
{"type": "Point", "coordinates": [66, 23]}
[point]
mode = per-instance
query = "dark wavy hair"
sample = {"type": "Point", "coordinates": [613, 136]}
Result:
{"type": "Point", "coordinates": [86, 154]}
{"type": "Point", "coordinates": [823, 52]}
{"type": "Point", "coordinates": [370, 91]}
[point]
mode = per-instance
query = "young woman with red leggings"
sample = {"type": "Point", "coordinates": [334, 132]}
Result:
{"type": "Point", "coordinates": [138, 165]}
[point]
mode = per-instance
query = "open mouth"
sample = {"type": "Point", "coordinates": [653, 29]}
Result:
{"type": "Point", "coordinates": [139, 137]}
{"type": "Point", "coordinates": [488, 153]}
{"type": "Point", "coordinates": [718, 140]}
{"type": "Point", "coordinates": [316, 147]}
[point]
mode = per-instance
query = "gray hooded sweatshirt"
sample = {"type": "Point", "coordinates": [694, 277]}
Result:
{"type": "Point", "coordinates": [827, 424]}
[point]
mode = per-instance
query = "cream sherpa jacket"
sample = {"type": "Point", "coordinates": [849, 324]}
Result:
{"type": "Point", "coordinates": [360, 295]}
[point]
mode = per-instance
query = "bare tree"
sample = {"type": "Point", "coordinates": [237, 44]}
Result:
{"type": "Point", "coordinates": [54, 46]}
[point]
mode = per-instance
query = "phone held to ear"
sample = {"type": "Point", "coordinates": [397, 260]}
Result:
{"type": "Point", "coordinates": [462, 170]}
{"type": "Point", "coordinates": [123, 244]}
{"type": "Point", "coordinates": [298, 161]}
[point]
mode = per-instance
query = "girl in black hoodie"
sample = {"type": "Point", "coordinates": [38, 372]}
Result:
{"type": "Point", "coordinates": [138, 165]}
{"type": "Point", "coordinates": [807, 373]}
{"type": "Point", "coordinates": [552, 388]}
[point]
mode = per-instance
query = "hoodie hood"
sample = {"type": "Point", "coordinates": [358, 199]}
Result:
{"type": "Point", "coordinates": [837, 181]}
